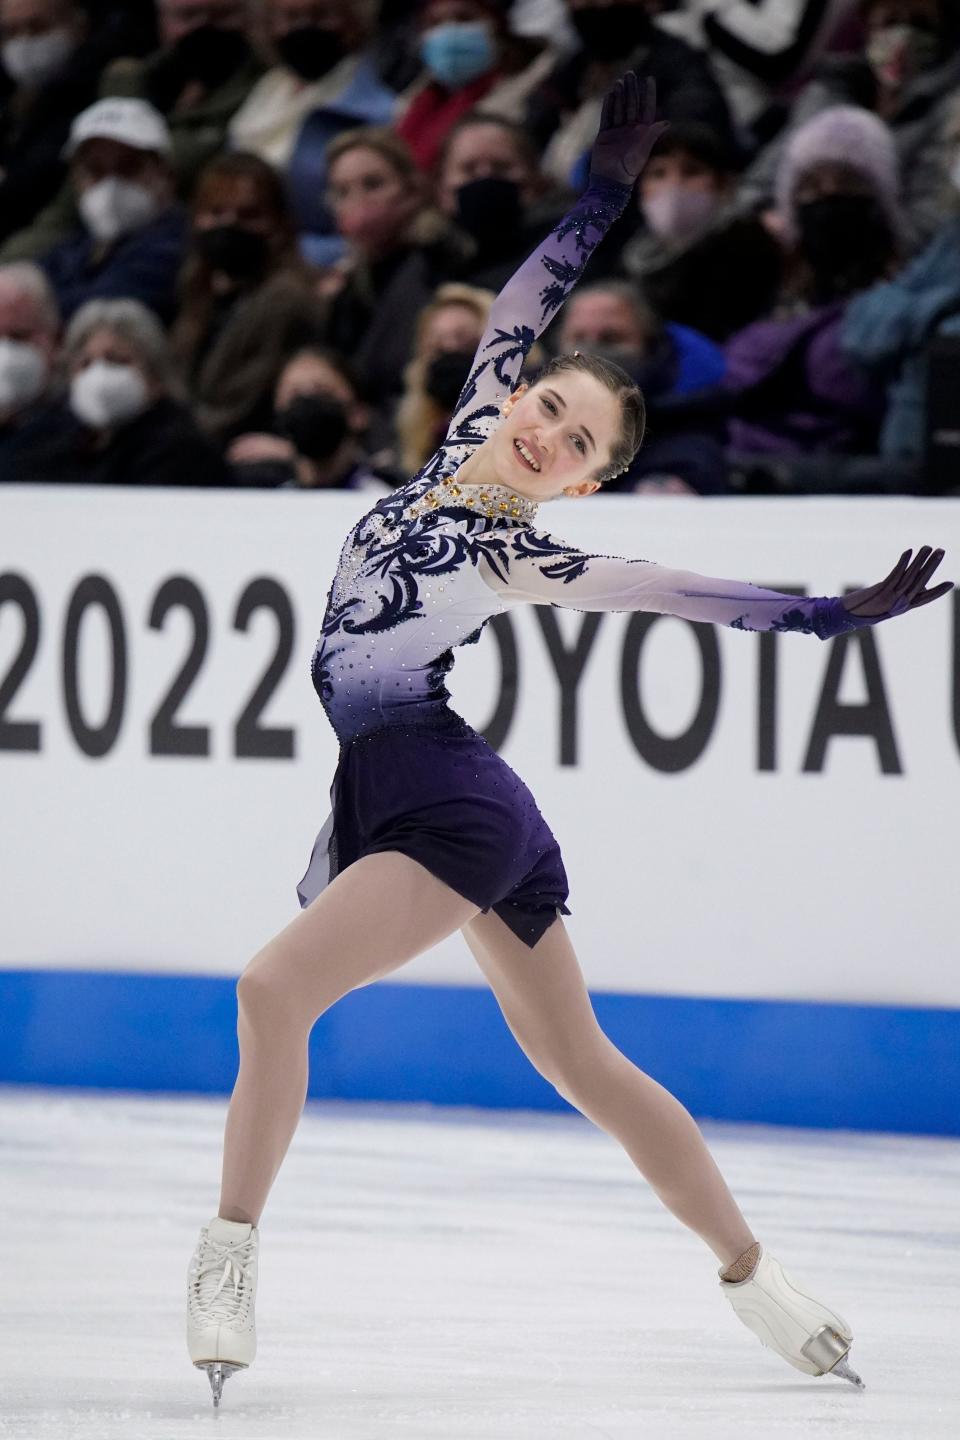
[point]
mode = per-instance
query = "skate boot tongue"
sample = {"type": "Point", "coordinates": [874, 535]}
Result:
{"type": "Point", "coordinates": [228, 1232]}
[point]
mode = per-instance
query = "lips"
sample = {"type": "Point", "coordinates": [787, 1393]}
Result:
{"type": "Point", "coordinates": [533, 459]}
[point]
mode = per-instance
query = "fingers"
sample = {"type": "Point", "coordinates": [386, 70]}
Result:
{"type": "Point", "coordinates": [934, 594]}
{"type": "Point", "coordinates": [923, 575]}
{"type": "Point", "coordinates": [629, 101]}
{"type": "Point", "coordinates": [896, 574]}
{"type": "Point", "coordinates": [909, 578]}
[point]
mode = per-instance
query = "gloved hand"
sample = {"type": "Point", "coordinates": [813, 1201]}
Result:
{"type": "Point", "coordinates": [902, 590]}
{"type": "Point", "coordinates": [628, 131]}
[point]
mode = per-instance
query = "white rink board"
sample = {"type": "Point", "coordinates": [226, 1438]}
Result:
{"type": "Point", "coordinates": [715, 879]}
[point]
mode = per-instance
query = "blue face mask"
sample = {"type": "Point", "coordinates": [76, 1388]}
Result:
{"type": "Point", "coordinates": [458, 51]}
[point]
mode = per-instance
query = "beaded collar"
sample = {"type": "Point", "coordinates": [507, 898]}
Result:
{"type": "Point", "coordinates": [498, 502]}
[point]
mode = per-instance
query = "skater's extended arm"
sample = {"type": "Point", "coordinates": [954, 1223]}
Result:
{"type": "Point", "coordinates": [527, 565]}
{"type": "Point", "coordinates": [534, 294]}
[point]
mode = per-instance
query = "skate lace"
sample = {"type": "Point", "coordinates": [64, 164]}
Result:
{"type": "Point", "coordinates": [218, 1267]}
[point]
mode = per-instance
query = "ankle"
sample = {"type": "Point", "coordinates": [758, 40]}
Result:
{"type": "Point", "coordinates": [744, 1265]}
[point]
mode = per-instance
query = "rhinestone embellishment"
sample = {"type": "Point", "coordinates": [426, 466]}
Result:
{"type": "Point", "coordinates": [495, 501]}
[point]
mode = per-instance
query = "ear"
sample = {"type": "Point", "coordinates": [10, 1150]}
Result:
{"type": "Point", "coordinates": [586, 487]}
{"type": "Point", "coordinates": [512, 398]}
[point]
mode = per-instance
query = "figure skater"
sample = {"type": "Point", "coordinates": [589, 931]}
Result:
{"type": "Point", "coordinates": [431, 832]}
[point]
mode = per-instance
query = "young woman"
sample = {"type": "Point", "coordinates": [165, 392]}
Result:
{"type": "Point", "coordinates": [432, 832]}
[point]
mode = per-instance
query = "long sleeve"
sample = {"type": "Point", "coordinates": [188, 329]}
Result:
{"type": "Point", "coordinates": [531, 566]}
{"type": "Point", "coordinates": [527, 302]}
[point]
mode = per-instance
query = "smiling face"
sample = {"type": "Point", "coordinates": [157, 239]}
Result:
{"type": "Point", "coordinates": [556, 436]}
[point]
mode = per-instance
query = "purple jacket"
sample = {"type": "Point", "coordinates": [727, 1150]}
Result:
{"type": "Point", "coordinates": [797, 392]}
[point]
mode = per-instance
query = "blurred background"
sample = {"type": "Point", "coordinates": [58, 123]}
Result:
{"type": "Point", "coordinates": [247, 249]}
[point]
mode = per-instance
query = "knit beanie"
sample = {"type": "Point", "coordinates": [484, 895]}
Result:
{"type": "Point", "coordinates": [848, 135]}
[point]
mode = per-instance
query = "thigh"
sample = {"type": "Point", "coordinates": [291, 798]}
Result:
{"type": "Point", "coordinates": [541, 991]}
{"type": "Point", "coordinates": [376, 915]}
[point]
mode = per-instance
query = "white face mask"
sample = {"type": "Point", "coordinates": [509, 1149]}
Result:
{"type": "Point", "coordinates": [676, 211]}
{"type": "Point", "coordinates": [23, 374]}
{"type": "Point", "coordinates": [108, 394]}
{"type": "Point", "coordinates": [115, 207]}
{"type": "Point", "coordinates": [35, 59]}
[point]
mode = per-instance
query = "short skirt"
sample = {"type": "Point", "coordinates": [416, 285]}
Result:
{"type": "Point", "coordinates": [442, 795]}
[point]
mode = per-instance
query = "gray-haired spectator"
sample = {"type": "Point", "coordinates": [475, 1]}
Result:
{"type": "Point", "coordinates": [120, 421]}
{"type": "Point", "coordinates": [133, 233]}
{"type": "Point", "coordinates": [29, 327]}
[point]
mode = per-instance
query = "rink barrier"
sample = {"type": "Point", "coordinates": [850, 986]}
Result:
{"type": "Point", "coordinates": [857, 1067]}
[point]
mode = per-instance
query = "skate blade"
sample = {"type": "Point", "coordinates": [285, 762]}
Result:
{"type": "Point", "coordinates": [844, 1371]}
{"type": "Point", "coordinates": [828, 1350]}
{"type": "Point", "coordinates": [217, 1372]}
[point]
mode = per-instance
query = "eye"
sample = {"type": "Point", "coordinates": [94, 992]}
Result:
{"type": "Point", "coordinates": [548, 405]}
{"type": "Point", "coordinates": [579, 444]}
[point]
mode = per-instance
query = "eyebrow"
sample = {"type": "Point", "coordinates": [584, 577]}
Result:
{"type": "Point", "coordinates": [563, 405]}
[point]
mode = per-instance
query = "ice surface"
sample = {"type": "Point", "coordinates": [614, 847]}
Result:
{"type": "Point", "coordinates": [468, 1275]}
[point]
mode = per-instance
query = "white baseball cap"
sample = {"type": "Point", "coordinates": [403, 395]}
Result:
{"type": "Point", "coordinates": [131, 122]}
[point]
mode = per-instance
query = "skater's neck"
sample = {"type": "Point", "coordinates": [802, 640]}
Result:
{"type": "Point", "coordinates": [478, 469]}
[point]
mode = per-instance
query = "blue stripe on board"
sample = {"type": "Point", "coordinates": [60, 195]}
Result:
{"type": "Point", "coordinates": [861, 1067]}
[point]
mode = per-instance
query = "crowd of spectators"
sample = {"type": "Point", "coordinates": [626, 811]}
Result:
{"type": "Point", "coordinates": [255, 242]}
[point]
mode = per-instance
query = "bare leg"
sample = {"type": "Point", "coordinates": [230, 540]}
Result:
{"type": "Point", "coordinates": [545, 1002]}
{"type": "Point", "coordinates": [380, 912]}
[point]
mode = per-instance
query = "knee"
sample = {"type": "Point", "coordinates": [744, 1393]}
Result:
{"type": "Point", "coordinates": [575, 1070]}
{"type": "Point", "coordinates": [260, 993]}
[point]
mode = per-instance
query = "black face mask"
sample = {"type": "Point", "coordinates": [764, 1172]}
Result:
{"type": "Point", "coordinates": [611, 32]}
{"type": "Point", "coordinates": [207, 55]}
{"type": "Point", "coordinates": [446, 376]}
{"type": "Point", "coordinates": [310, 51]}
{"type": "Point", "coordinates": [490, 210]}
{"type": "Point", "coordinates": [316, 425]}
{"type": "Point", "coordinates": [241, 254]}
{"type": "Point", "coordinates": [846, 241]}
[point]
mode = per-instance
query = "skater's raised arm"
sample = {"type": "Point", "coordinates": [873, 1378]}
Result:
{"type": "Point", "coordinates": [535, 567]}
{"type": "Point", "coordinates": [534, 294]}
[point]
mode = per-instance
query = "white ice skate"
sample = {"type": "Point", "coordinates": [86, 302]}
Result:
{"type": "Point", "coordinates": [808, 1335]}
{"type": "Point", "coordinates": [221, 1290]}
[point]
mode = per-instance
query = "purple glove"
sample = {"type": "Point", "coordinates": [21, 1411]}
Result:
{"type": "Point", "coordinates": [902, 590]}
{"type": "Point", "coordinates": [627, 131]}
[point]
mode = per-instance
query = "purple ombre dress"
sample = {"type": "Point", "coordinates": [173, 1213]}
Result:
{"type": "Point", "coordinates": [421, 573]}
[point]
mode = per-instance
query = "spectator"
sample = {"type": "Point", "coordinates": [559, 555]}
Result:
{"type": "Point", "coordinates": [489, 183]}
{"type": "Point", "coordinates": [248, 300]}
{"type": "Point", "coordinates": [324, 82]}
{"type": "Point", "coordinates": [120, 423]}
{"type": "Point", "coordinates": [693, 235]}
{"type": "Point", "coordinates": [132, 233]}
{"type": "Point", "coordinates": [199, 77]}
{"type": "Point", "coordinates": [48, 76]}
{"type": "Point", "coordinates": [889, 327]}
{"type": "Point", "coordinates": [762, 50]}
{"type": "Point", "coordinates": [400, 249]}
{"type": "Point", "coordinates": [319, 422]}
{"type": "Point", "coordinates": [907, 75]}
{"type": "Point", "coordinates": [448, 332]}
{"type": "Point", "coordinates": [469, 56]}
{"type": "Point", "coordinates": [563, 112]}
{"type": "Point", "coordinates": [666, 361]}
{"type": "Point", "coordinates": [793, 390]}
{"type": "Point", "coordinates": [29, 328]}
